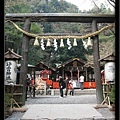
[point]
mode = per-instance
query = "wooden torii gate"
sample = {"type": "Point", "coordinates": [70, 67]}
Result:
{"type": "Point", "coordinates": [27, 18]}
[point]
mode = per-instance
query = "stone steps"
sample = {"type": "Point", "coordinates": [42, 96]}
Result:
{"type": "Point", "coordinates": [76, 92]}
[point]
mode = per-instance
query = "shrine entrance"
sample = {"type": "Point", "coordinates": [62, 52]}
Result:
{"type": "Point", "coordinates": [27, 18]}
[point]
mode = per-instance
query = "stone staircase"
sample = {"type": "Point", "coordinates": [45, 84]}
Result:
{"type": "Point", "coordinates": [76, 92]}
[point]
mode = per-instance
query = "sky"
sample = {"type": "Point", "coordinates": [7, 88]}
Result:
{"type": "Point", "coordinates": [88, 4]}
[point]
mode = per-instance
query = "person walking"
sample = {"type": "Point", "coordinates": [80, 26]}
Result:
{"type": "Point", "coordinates": [66, 84]}
{"type": "Point", "coordinates": [81, 80]}
{"type": "Point", "coordinates": [73, 85]}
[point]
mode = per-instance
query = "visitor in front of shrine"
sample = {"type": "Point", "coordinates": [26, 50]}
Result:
{"type": "Point", "coordinates": [73, 85]}
{"type": "Point", "coordinates": [61, 85]}
{"type": "Point", "coordinates": [66, 84]}
{"type": "Point", "coordinates": [31, 86]}
{"type": "Point", "coordinates": [27, 86]}
{"type": "Point", "coordinates": [81, 80]}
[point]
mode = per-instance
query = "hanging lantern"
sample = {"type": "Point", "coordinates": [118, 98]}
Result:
{"type": "Point", "coordinates": [48, 42]}
{"type": "Point", "coordinates": [89, 43]}
{"type": "Point", "coordinates": [61, 43]}
{"type": "Point", "coordinates": [36, 43]}
{"type": "Point", "coordinates": [75, 42]}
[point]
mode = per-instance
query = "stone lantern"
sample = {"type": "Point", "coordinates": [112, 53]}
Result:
{"type": "Point", "coordinates": [11, 59]}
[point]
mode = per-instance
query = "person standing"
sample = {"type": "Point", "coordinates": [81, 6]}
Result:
{"type": "Point", "coordinates": [27, 86]}
{"type": "Point", "coordinates": [18, 77]}
{"type": "Point", "coordinates": [66, 84]}
{"type": "Point", "coordinates": [73, 85]}
{"type": "Point", "coordinates": [31, 86]}
{"type": "Point", "coordinates": [61, 84]}
{"type": "Point", "coordinates": [81, 81]}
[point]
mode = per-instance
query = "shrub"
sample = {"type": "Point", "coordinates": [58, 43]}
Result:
{"type": "Point", "coordinates": [7, 100]}
{"type": "Point", "coordinates": [112, 94]}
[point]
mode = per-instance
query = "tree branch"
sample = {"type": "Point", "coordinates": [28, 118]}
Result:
{"type": "Point", "coordinates": [111, 1]}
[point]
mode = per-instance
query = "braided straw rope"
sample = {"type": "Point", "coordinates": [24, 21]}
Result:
{"type": "Point", "coordinates": [61, 37]}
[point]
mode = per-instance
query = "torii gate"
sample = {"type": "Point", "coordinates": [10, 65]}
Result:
{"type": "Point", "coordinates": [27, 18]}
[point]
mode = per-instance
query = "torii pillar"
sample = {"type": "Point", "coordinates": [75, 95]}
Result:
{"type": "Point", "coordinates": [96, 56]}
{"type": "Point", "coordinates": [24, 61]}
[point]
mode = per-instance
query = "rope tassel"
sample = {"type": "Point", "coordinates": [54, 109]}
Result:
{"type": "Point", "coordinates": [84, 44]}
{"type": "Point", "coordinates": [89, 43]}
{"type": "Point", "coordinates": [61, 43]}
{"type": "Point", "coordinates": [42, 44]}
{"type": "Point", "coordinates": [55, 44]}
{"type": "Point", "coordinates": [48, 42]}
{"type": "Point", "coordinates": [69, 43]}
{"type": "Point", "coordinates": [75, 42]}
{"type": "Point", "coordinates": [36, 43]}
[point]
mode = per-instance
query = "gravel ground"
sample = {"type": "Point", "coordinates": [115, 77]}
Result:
{"type": "Point", "coordinates": [81, 99]}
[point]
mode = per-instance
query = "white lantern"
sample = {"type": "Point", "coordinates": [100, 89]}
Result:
{"type": "Point", "coordinates": [109, 71]}
{"type": "Point", "coordinates": [10, 72]}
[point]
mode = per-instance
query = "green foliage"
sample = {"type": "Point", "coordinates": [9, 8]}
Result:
{"type": "Point", "coordinates": [106, 38]}
{"type": "Point", "coordinates": [7, 100]}
{"type": "Point", "coordinates": [49, 55]}
{"type": "Point", "coordinates": [112, 94]}
{"type": "Point", "coordinates": [35, 28]}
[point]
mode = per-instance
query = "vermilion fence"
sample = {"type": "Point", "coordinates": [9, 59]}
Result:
{"type": "Point", "coordinates": [55, 85]}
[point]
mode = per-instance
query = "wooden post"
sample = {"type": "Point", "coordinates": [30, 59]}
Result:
{"type": "Point", "coordinates": [86, 74]}
{"type": "Point", "coordinates": [63, 72]}
{"type": "Point", "coordinates": [34, 85]}
{"type": "Point", "coordinates": [78, 73]}
{"type": "Point", "coordinates": [24, 61]}
{"type": "Point", "coordinates": [71, 74]}
{"type": "Point", "coordinates": [99, 91]}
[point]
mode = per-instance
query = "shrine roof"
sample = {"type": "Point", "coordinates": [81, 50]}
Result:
{"type": "Point", "coordinates": [89, 64]}
{"type": "Point", "coordinates": [10, 54]}
{"type": "Point", "coordinates": [71, 60]}
{"type": "Point", "coordinates": [46, 65]}
{"type": "Point", "coordinates": [109, 57]}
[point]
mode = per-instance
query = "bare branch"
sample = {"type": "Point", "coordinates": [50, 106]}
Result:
{"type": "Point", "coordinates": [111, 2]}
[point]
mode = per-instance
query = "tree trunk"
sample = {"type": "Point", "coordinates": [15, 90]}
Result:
{"type": "Point", "coordinates": [99, 91]}
{"type": "Point", "coordinates": [24, 61]}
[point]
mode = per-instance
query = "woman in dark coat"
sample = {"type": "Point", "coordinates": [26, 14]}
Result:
{"type": "Point", "coordinates": [61, 84]}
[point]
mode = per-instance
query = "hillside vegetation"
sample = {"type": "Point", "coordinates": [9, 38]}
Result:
{"type": "Point", "coordinates": [13, 37]}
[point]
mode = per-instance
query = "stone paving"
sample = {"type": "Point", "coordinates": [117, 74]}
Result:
{"type": "Point", "coordinates": [77, 101]}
